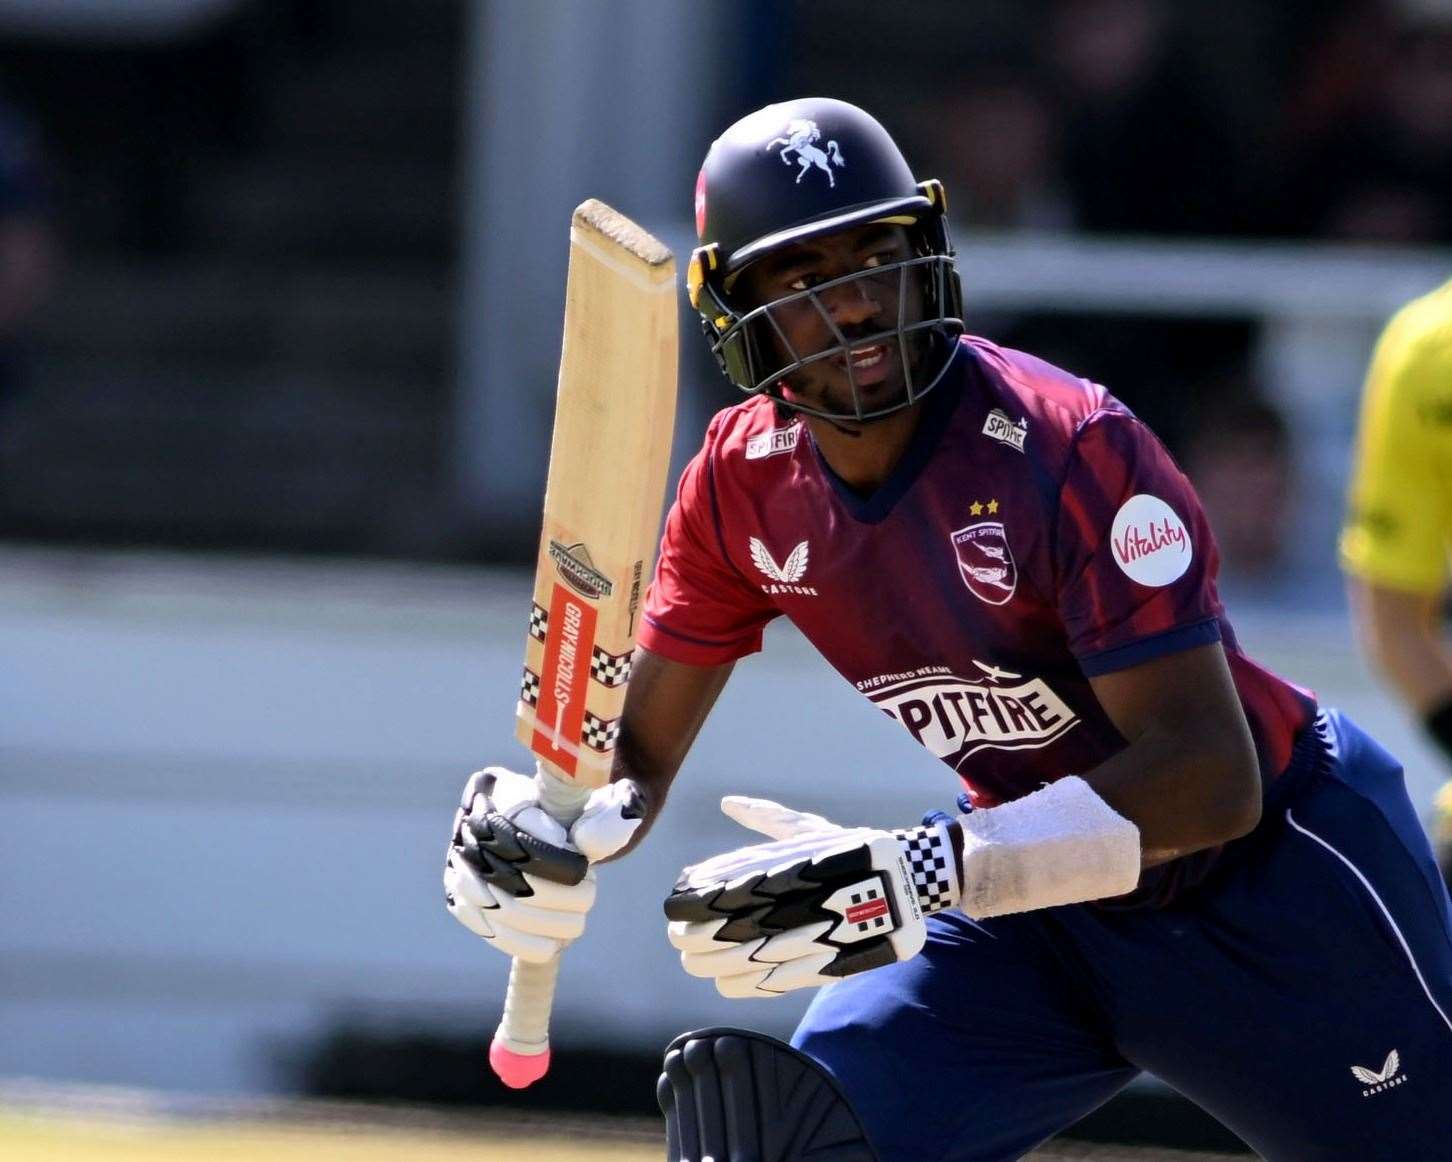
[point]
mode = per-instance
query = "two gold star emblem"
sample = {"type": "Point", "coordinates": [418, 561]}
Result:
{"type": "Point", "coordinates": [977, 508]}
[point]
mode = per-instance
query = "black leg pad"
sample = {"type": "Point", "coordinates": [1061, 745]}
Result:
{"type": "Point", "coordinates": [730, 1095]}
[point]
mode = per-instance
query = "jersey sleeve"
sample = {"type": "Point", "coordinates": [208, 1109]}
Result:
{"type": "Point", "coordinates": [1134, 559]}
{"type": "Point", "coordinates": [699, 609]}
{"type": "Point", "coordinates": [1397, 519]}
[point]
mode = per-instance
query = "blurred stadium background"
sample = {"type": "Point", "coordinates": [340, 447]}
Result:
{"type": "Point", "coordinates": [280, 290]}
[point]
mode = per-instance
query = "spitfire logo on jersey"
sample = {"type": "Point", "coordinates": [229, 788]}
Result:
{"type": "Point", "coordinates": [783, 577]}
{"type": "Point", "coordinates": [955, 717]}
{"type": "Point", "coordinates": [999, 427]}
{"type": "Point", "coordinates": [985, 561]}
{"type": "Point", "coordinates": [1150, 543]}
{"type": "Point", "coordinates": [774, 442]}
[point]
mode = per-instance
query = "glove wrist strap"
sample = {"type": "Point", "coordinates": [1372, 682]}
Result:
{"type": "Point", "coordinates": [934, 855]}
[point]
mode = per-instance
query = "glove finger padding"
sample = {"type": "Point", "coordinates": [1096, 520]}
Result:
{"type": "Point", "coordinates": [611, 817]}
{"type": "Point", "coordinates": [686, 936]}
{"type": "Point", "coordinates": [515, 796]}
{"type": "Point", "coordinates": [507, 835]}
{"type": "Point", "coordinates": [806, 911]}
{"type": "Point", "coordinates": [772, 818]}
{"type": "Point", "coordinates": [725, 960]}
{"type": "Point", "coordinates": [578, 898]}
{"type": "Point", "coordinates": [466, 884]}
{"type": "Point", "coordinates": [551, 910]}
{"type": "Point", "coordinates": [462, 887]}
{"type": "Point", "coordinates": [699, 945]}
{"type": "Point", "coordinates": [510, 875]}
{"type": "Point", "coordinates": [747, 861]}
{"type": "Point", "coordinates": [806, 973]}
{"type": "Point", "coordinates": [521, 916]}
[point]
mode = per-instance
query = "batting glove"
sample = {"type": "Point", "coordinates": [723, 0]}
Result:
{"type": "Point", "coordinates": [516, 876]}
{"type": "Point", "coordinates": [818, 903]}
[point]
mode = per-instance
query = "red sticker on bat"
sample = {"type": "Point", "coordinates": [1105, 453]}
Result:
{"type": "Point", "coordinates": [560, 713]}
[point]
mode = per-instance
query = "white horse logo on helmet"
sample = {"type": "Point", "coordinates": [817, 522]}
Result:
{"type": "Point", "coordinates": [801, 138]}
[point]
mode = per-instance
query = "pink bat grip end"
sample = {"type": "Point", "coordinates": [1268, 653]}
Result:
{"type": "Point", "coordinates": [517, 1070]}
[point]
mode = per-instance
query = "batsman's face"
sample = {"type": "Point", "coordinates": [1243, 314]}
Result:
{"type": "Point", "coordinates": [850, 314]}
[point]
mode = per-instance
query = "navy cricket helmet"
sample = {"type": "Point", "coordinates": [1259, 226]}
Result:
{"type": "Point", "coordinates": [793, 172]}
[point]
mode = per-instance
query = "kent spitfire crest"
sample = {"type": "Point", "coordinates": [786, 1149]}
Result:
{"type": "Point", "coordinates": [985, 561]}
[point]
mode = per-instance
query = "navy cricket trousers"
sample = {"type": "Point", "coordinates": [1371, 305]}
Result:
{"type": "Point", "coordinates": [1302, 994]}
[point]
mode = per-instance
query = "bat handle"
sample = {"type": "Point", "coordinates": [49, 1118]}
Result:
{"type": "Point", "coordinates": [520, 1052]}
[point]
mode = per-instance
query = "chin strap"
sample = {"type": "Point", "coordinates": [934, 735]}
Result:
{"type": "Point", "coordinates": [855, 433]}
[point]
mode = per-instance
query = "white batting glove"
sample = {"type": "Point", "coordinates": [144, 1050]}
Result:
{"type": "Point", "coordinates": [817, 903]}
{"type": "Point", "coordinates": [515, 876]}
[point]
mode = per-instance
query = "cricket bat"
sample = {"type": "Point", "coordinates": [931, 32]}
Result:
{"type": "Point", "coordinates": [614, 415]}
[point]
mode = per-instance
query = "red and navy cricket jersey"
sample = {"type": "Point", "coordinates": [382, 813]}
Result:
{"type": "Point", "coordinates": [1034, 534]}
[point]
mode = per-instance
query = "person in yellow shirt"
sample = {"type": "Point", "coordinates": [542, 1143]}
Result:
{"type": "Point", "coordinates": [1398, 529]}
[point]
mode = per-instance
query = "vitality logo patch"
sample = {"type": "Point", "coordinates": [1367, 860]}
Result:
{"type": "Point", "coordinates": [1150, 542]}
{"type": "Point", "coordinates": [955, 717]}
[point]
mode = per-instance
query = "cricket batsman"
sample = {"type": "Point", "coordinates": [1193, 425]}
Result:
{"type": "Point", "coordinates": [1399, 523]}
{"type": "Point", "coordinates": [1165, 857]}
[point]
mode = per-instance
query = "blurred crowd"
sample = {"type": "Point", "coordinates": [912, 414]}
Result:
{"type": "Point", "coordinates": [1121, 117]}
{"type": "Point", "coordinates": [1326, 121]}
{"type": "Point", "coordinates": [27, 246]}
{"type": "Point", "coordinates": [1303, 120]}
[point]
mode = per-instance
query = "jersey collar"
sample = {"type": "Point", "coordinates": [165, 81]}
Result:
{"type": "Point", "coordinates": [938, 411]}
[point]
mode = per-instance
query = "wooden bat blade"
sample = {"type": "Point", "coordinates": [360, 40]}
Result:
{"type": "Point", "coordinates": [614, 415]}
